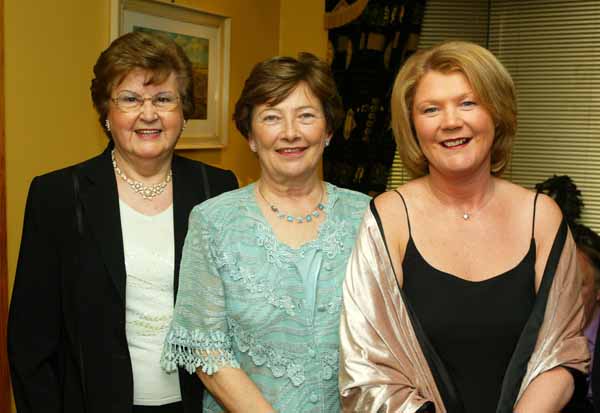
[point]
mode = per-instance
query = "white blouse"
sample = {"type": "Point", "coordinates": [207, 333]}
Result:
{"type": "Point", "coordinates": [148, 243]}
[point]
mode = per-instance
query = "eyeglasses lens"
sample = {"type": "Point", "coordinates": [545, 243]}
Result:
{"type": "Point", "coordinates": [128, 101]}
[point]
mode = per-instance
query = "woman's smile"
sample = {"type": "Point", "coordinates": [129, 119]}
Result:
{"type": "Point", "coordinates": [456, 143]}
{"type": "Point", "coordinates": [148, 134]}
{"type": "Point", "coordinates": [292, 152]}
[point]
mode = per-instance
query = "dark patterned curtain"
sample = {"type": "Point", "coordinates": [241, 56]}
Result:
{"type": "Point", "coordinates": [369, 40]}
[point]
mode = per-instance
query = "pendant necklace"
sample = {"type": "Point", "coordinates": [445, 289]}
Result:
{"type": "Point", "coordinates": [467, 215]}
{"type": "Point", "coordinates": [298, 219]}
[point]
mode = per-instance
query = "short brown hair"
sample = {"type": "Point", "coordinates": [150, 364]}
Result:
{"type": "Point", "coordinates": [490, 81]}
{"type": "Point", "coordinates": [155, 53]}
{"type": "Point", "coordinates": [272, 80]}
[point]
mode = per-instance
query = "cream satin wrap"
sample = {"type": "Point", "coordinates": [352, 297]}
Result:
{"type": "Point", "coordinates": [382, 365]}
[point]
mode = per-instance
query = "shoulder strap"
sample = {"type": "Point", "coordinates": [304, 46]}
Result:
{"type": "Point", "coordinates": [534, 207]}
{"type": "Point", "coordinates": [406, 209]}
{"type": "Point", "coordinates": [205, 184]}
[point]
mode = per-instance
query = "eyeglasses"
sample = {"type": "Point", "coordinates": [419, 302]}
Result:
{"type": "Point", "coordinates": [131, 102]}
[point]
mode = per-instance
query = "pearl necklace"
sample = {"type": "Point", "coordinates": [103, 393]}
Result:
{"type": "Point", "coordinates": [148, 192]}
{"type": "Point", "coordinates": [290, 218]}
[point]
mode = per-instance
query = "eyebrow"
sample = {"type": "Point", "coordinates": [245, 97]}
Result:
{"type": "Point", "coordinates": [136, 93]}
{"type": "Point", "coordinates": [299, 108]}
{"type": "Point", "coordinates": [459, 97]}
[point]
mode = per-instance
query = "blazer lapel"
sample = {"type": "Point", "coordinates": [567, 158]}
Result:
{"type": "Point", "coordinates": [100, 202]}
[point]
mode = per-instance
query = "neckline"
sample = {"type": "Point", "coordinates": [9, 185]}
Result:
{"type": "Point", "coordinates": [165, 211]}
{"type": "Point", "coordinates": [458, 278]}
{"type": "Point", "coordinates": [331, 199]}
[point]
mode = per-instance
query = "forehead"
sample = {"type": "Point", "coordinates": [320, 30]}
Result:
{"type": "Point", "coordinates": [301, 96]}
{"type": "Point", "coordinates": [438, 85]}
{"type": "Point", "coordinates": [145, 80]}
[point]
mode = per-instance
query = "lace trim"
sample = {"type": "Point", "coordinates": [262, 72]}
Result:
{"type": "Point", "coordinates": [333, 243]}
{"type": "Point", "coordinates": [254, 286]}
{"type": "Point", "coordinates": [280, 364]}
{"type": "Point", "coordinates": [263, 354]}
{"type": "Point", "coordinates": [275, 253]}
{"type": "Point", "coordinates": [282, 302]}
{"type": "Point", "coordinates": [334, 306]}
{"type": "Point", "coordinates": [210, 351]}
{"type": "Point", "coordinates": [330, 365]}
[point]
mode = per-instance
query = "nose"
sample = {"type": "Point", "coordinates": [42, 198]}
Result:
{"type": "Point", "coordinates": [452, 119]}
{"type": "Point", "coordinates": [290, 129]}
{"type": "Point", "coordinates": [148, 111]}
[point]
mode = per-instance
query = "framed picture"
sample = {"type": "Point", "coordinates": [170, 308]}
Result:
{"type": "Point", "coordinates": [205, 38]}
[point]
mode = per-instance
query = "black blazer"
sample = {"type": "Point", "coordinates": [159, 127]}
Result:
{"type": "Point", "coordinates": [67, 347]}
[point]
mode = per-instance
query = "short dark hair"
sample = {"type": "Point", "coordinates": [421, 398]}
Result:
{"type": "Point", "coordinates": [272, 80]}
{"type": "Point", "coordinates": [155, 53]}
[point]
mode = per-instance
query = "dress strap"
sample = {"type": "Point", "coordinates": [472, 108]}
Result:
{"type": "Point", "coordinates": [406, 209]}
{"type": "Point", "coordinates": [534, 207]}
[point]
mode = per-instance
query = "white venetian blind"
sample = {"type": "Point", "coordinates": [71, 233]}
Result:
{"type": "Point", "coordinates": [552, 50]}
{"type": "Point", "coordinates": [445, 20]}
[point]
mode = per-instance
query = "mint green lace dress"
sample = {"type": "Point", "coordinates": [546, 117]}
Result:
{"type": "Point", "coordinates": [247, 300]}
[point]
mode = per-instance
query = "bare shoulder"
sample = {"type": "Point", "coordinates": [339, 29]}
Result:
{"type": "Point", "coordinates": [387, 202]}
{"type": "Point", "coordinates": [390, 205]}
{"type": "Point", "coordinates": [548, 217]}
{"type": "Point", "coordinates": [394, 220]}
{"type": "Point", "coordinates": [547, 221]}
{"type": "Point", "coordinates": [390, 209]}
{"type": "Point", "coordinates": [547, 213]}
{"type": "Point", "coordinates": [515, 194]}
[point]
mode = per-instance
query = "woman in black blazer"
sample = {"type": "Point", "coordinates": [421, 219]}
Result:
{"type": "Point", "coordinates": [98, 266]}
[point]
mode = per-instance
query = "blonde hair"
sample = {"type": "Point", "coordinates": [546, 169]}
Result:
{"type": "Point", "coordinates": [490, 81]}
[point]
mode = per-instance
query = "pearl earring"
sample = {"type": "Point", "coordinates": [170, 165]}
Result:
{"type": "Point", "coordinates": [107, 124]}
{"type": "Point", "coordinates": [327, 142]}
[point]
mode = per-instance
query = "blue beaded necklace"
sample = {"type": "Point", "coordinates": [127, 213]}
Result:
{"type": "Point", "coordinates": [290, 218]}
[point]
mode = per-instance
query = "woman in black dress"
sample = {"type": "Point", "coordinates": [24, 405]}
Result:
{"type": "Point", "coordinates": [461, 294]}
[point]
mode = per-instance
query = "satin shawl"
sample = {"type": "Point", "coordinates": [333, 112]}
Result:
{"type": "Point", "coordinates": [387, 364]}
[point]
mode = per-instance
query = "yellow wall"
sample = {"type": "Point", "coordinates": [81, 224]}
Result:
{"type": "Point", "coordinates": [301, 27]}
{"type": "Point", "coordinates": [50, 48]}
{"type": "Point", "coordinates": [254, 37]}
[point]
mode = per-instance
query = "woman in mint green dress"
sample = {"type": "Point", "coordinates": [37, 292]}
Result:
{"type": "Point", "coordinates": [257, 312]}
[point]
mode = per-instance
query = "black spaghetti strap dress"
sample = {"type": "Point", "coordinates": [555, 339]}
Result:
{"type": "Point", "coordinates": [472, 326]}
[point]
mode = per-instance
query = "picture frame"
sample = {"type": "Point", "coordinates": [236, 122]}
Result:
{"type": "Point", "coordinates": [206, 40]}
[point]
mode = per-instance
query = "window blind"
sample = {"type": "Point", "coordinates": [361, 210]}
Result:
{"type": "Point", "coordinates": [552, 50]}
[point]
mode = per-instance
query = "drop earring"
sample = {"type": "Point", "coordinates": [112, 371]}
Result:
{"type": "Point", "coordinates": [184, 125]}
{"type": "Point", "coordinates": [107, 124]}
{"type": "Point", "coordinates": [327, 142]}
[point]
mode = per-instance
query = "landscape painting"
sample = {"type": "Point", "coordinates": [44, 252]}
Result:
{"type": "Point", "coordinates": [197, 50]}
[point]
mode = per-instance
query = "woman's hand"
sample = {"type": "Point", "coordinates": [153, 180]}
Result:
{"type": "Point", "coordinates": [547, 393]}
{"type": "Point", "coordinates": [235, 391]}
